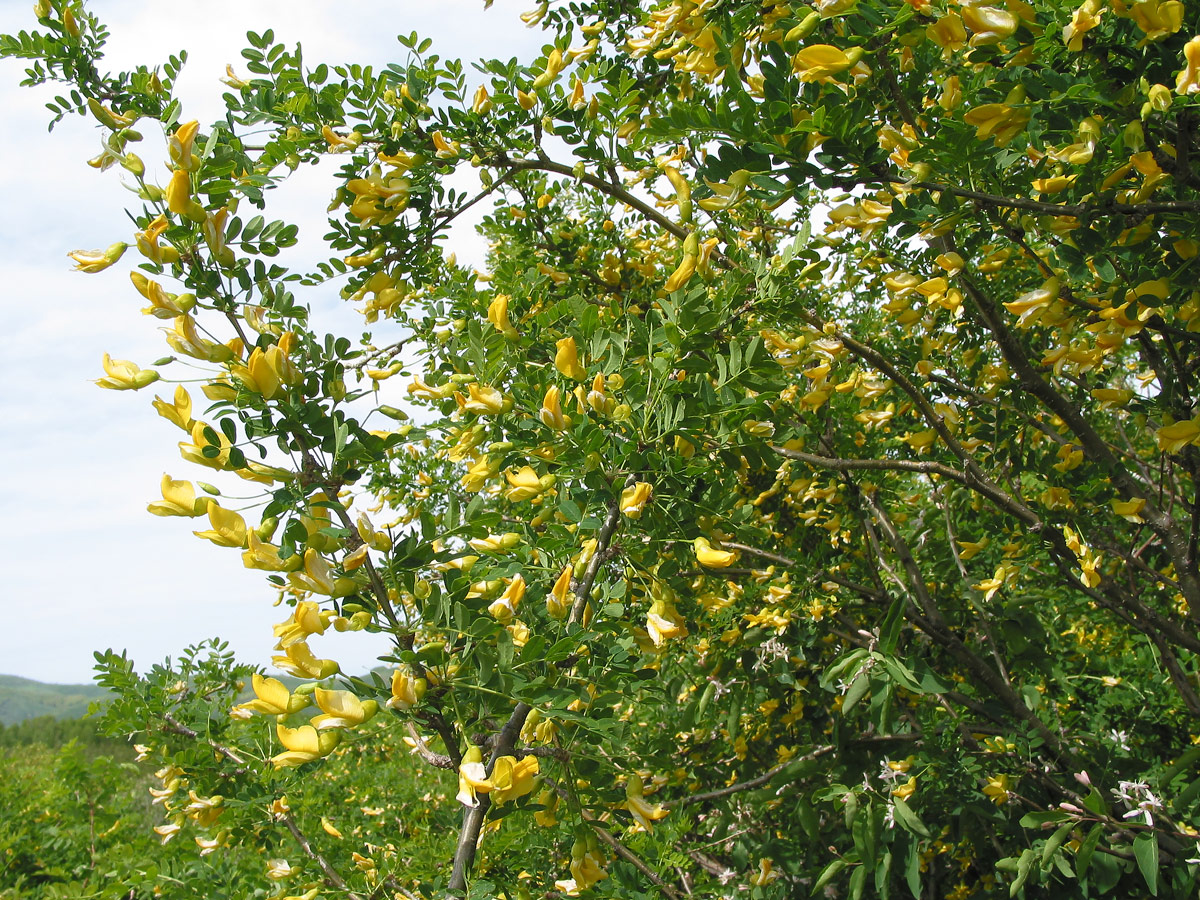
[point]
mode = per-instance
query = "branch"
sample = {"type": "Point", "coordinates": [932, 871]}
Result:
{"type": "Point", "coordinates": [754, 551]}
{"type": "Point", "coordinates": [890, 465]}
{"type": "Point", "coordinates": [1093, 445]}
{"type": "Point", "coordinates": [617, 192]}
{"type": "Point", "coordinates": [332, 878]}
{"type": "Point", "coordinates": [440, 760]}
{"type": "Point", "coordinates": [629, 856]}
{"type": "Point", "coordinates": [231, 755]}
{"type": "Point", "coordinates": [583, 590]}
{"type": "Point", "coordinates": [472, 823]}
{"type": "Point", "coordinates": [753, 783]}
{"type": "Point", "coordinates": [1076, 210]}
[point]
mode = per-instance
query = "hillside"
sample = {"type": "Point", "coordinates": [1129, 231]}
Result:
{"type": "Point", "coordinates": [24, 698]}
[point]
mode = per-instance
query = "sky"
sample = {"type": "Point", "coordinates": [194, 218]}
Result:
{"type": "Point", "coordinates": [88, 568]}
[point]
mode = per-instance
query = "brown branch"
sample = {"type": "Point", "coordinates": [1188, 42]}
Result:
{"type": "Point", "coordinates": [332, 878]}
{"type": "Point", "coordinates": [940, 631]}
{"type": "Point", "coordinates": [227, 752]}
{"type": "Point", "coordinates": [629, 856]}
{"type": "Point", "coordinates": [617, 192]}
{"type": "Point", "coordinates": [440, 760]}
{"type": "Point", "coordinates": [1093, 445]}
{"type": "Point", "coordinates": [927, 467]}
{"type": "Point", "coordinates": [583, 589]}
{"type": "Point", "coordinates": [753, 783]}
{"type": "Point", "coordinates": [1075, 210]}
{"type": "Point", "coordinates": [754, 551]}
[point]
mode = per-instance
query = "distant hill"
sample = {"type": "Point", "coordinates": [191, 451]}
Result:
{"type": "Point", "coordinates": [24, 698]}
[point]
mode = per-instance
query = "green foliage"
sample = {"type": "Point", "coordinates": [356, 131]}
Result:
{"type": "Point", "coordinates": [801, 499]}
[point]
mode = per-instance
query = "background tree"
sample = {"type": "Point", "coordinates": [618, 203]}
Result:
{"type": "Point", "coordinates": [803, 495]}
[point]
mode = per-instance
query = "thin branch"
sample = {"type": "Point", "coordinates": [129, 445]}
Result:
{"type": "Point", "coordinates": [754, 551]}
{"type": "Point", "coordinates": [583, 590]}
{"type": "Point", "coordinates": [753, 783]}
{"type": "Point", "coordinates": [332, 878]}
{"type": "Point", "coordinates": [890, 465]}
{"type": "Point", "coordinates": [440, 760]}
{"type": "Point", "coordinates": [629, 856]}
{"type": "Point", "coordinates": [1070, 210]}
{"type": "Point", "coordinates": [617, 192]}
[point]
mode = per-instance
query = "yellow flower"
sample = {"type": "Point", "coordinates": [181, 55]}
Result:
{"type": "Point", "coordinates": [472, 777]}
{"type": "Point", "coordinates": [307, 618]}
{"type": "Point", "coordinates": [587, 863]}
{"type": "Point", "coordinates": [1083, 20]}
{"type": "Point", "coordinates": [486, 399]}
{"type": "Point", "coordinates": [123, 375]}
{"type": "Point", "coordinates": [495, 543]}
{"type": "Point", "coordinates": [634, 498]}
{"type": "Point", "coordinates": [524, 484]}
{"type": "Point", "coordinates": [993, 584]}
{"type": "Point", "coordinates": [267, 373]}
{"type": "Point", "coordinates": [341, 709]}
{"type": "Point", "coordinates": [998, 121]}
{"type": "Point", "coordinates": [92, 261]}
{"type": "Point", "coordinates": [906, 790]}
{"type": "Point", "coordinates": [820, 62]}
{"type": "Point", "coordinates": [990, 24]}
{"type": "Point", "coordinates": [1157, 19]}
{"type": "Point", "coordinates": [179, 197]}
{"type": "Point", "coordinates": [497, 314]}
{"type": "Point", "coordinates": [664, 622]}
{"type": "Point", "coordinates": [1173, 438]}
{"type": "Point", "coordinates": [1188, 79]}
{"type": "Point", "coordinates": [513, 778]}
{"type": "Point", "coordinates": [480, 473]}
{"type": "Point", "coordinates": [179, 499]}
{"type": "Point", "coordinates": [303, 744]}
{"type": "Point", "coordinates": [1030, 306]}
{"type": "Point", "coordinates": [179, 146]}
{"type": "Point", "coordinates": [644, 813]}
{"type": "Point", "coordinates": [566, 360]}
{"type": "Point", "coordinates": [316, 576]}
{"type": "Point", "coordinates": [969, 549]}
{"type": "Point", "coordinates": [727, 195]}
{"type": "Point", "coordinates": [299, 661]}
{"type": "Point", "coordinates": [551, 412]}
{"type": "Point", "coordinates": [272, 698]}
{"type": "Point", "coordinates": [948, 33]}
{"type": "Point", "coordinates": [445, 149]}
{"type": "Point", "coordinates": [228, 527]}
{"type": "Point", "coordinates": [711, 558]}
{"type": "Point", "coordinates": [338, 143]}
{"type": "Point", "coordinates": [147, 242]}
{"type": "Point", "coordinates": [1130, 510]}
{"type": "Point", "coordinates": [549, 802]}
{"type": "Point", "coordinates": [997, 789]}
{"type": "Point", "coordinates": [407, 690]}
{"type": "Point", "coordinates": [558, 600]}
{"type": "Point", "coordinates": [504, 607]}
{"type": "Point", "coordinates": [184, 337]}
{"type": "Point", "coordinates": [682, 273]}
{"type": "Point", "coordinates": [766, 873]}
{"type": "Point", "coordinates": [260, 554]}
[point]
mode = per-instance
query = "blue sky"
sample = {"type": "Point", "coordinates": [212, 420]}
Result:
{"type": "Point", "coordinates": [87, 567]}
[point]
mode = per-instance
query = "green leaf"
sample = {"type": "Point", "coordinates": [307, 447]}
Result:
{"type": "Point", "coordinates": [1024, 867]}
{"type": "Point", "coordinates": [1083, 858]}
{"type": "Point", "coordinates": [1055, 842]}
{"type": "Point", "coordinates": [1145, 851]}
{"type": "Point", "coordinates": [828, 874]}
{"type": "Point", "coordinates": [908, 819]}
